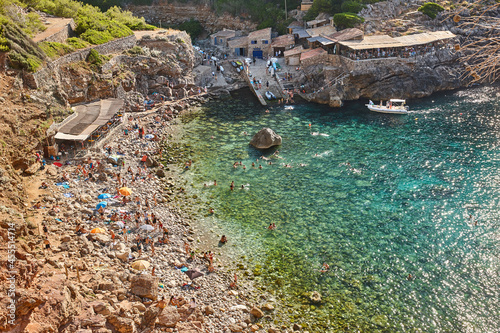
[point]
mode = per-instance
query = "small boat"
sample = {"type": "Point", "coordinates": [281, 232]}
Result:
{"type": "Point", "coordinates": [394, 106]}
{"type": "Point", "coordinates": [270, 95]}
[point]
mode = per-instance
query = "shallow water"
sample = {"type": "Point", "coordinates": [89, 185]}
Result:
{"type": "Point", "coordinates": [377, 197]}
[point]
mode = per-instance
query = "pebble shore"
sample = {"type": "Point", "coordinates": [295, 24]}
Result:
{"type": "Point", "coordinates": [217, 306]}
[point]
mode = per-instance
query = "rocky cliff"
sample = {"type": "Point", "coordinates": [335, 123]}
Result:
{"type": "Point", "coordinates": [161, 62]}
{"type": "Point", "coordinates": [170, 13]}
{"type": "Point", "coordinates": [383, 78]}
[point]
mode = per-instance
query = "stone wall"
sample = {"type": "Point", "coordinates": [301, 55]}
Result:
{"type": "Point", "coordinates": [114, 46]}
{"type": "Point", "coordinates": [369, 64]}
{"type": "Point", "coordinates": [318, 59]}
{"type": "Point", "coordinates": [63, 34]}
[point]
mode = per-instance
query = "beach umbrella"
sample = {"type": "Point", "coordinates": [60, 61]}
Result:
{"type": "Point", "coordinates": [57, 164]}
{"type": "Point", "coordinates": [147, 227]}
{"type": "Point", "coordinates": [120, 224]}
{"type": "Point", "coordinates": [97, 231]}
{"type": "Point", "coordinates": [125, 191]}
{"type": "Point", "coordinates": [104, 196]}
{"type": "Point", "coordinates": [149, 136]}
{"type": "Point", "coordinates": [140, 265]}
{"type": "Point", "coordinates": [102, 204]}
{"type": "Point", "coordinates": [193, 273]}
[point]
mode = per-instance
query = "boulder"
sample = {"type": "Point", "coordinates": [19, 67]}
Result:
{"type": "Point", "coordinates": [160, 173]}
{"type": "Point", "coordinates": [151, 162]}
{"type": "Point", "coordinates": [101, 238]}
{"type": "Point", "coordinates": [235, 328]}
{"type": "Point", "coordinates": [256, 312]}
{"type": "Point", "coordinates": [32, 169]}
{"type": "Point", "coordinates": [209, 310]}
{"type": "Point", "coordinates": [149, 318]}
{"type": "Point", "coordinates": [315, 297]}
{"type": "Point", "coordinates": [267, 307]}
{"type": "Point", "coordinates": [123, 256]}
{"type": "Point", "coordinates": [169, 317]}
{"type": "Point", "coordinates": [145, 286]}
{"type": "Point", "coordinates": [122, 324]}
{"type": "Point", "coordinates": [265, 138]}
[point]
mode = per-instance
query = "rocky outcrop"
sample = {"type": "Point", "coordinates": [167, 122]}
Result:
{"type": "Point", "coordinates": [164, 64]}
{"type": "Point", "coordinates": [383, 78]}
{"type": "Point", "coordinates": [173, 13]}
{"type": "Point", "coordinates": [265, 138]}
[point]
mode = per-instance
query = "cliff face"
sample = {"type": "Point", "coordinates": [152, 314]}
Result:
{"type": "Point", "coordinates": [401, 78]}
{"type": "Point", "coordinates": [169, 13]}
{"type": "Point", "coordinates": [382, 78]}
{"type": "Point", "coordinates": [164, 64]}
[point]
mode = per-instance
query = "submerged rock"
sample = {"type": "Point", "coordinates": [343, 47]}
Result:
{"type": "Point", "coordinates": [315, 297]}
{"type": "Point", "coordinates": [265, 138]}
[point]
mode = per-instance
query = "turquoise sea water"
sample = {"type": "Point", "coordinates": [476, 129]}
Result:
{"type": "Point", "coordinates": [377, 197]}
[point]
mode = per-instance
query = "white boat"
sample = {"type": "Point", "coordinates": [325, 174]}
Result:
{"type": "Point", "coordinates": [394, 106]}
{"type": "Point", "coordinates": [270, 95]}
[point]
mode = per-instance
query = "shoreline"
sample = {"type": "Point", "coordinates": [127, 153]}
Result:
{"type": "Point", "coordinates": [222, 307]}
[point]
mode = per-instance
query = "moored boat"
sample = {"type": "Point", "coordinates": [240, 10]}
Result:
{"type": "Point", "coordinates": [394, 106]}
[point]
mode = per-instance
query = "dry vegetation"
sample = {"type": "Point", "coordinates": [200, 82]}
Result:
{"type": "Point", "coordinates": [481, 46]}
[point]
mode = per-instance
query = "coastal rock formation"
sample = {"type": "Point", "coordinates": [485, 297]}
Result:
{"type": "Point", "coordinates": [383, 78]}
{"type": "Point", "coordinates": [265, 138]}
{"type": "Point", "coordinates": [170, 13]}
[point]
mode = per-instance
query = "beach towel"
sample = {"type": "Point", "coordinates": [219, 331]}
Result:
{"type": "Point", "coordinates": [68, 195]}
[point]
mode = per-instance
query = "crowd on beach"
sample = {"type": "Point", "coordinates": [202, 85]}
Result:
{"type": "Point", "coordinates": [121, 197]}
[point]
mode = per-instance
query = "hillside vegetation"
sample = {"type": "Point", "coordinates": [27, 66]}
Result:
{"type": "Point", "coordinates": [19, 21]}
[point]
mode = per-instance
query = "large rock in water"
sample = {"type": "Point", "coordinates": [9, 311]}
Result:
{"type": "Point", "coordinates": [265, 138]}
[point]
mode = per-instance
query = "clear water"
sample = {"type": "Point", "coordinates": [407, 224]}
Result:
{"type": "Point", "coordinates": [401, 206]}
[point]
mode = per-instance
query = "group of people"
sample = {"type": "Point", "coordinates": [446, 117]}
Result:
{"type": "Point", "coordinates": [402, 52]}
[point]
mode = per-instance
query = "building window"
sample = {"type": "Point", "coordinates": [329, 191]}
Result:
{"type": "Point", "coordinates": [265, 41]}
{"type": "Point", "coordinates": [253, 42]}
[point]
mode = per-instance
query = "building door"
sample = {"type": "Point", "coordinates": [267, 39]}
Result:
{"type": "Point", "coordinates": [215, 41]}
{"type": "Point", "coordinates": [257, 53]}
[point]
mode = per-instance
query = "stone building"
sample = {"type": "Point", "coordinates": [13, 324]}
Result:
{"type": "Point", "coordinates": [305, 5]}
{"type": "Point", "coordinates": [282, 43]}
{"type": "Point", "coordinates": [259, 43]}
{"type": "Point", "coordinates": [238, 46]}
{"type": "Point", "coordinates": [221, 38]}
{"type": "Point", "coordinates": [292, 57]}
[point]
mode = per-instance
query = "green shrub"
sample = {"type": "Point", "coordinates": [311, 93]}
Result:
{"type": "Point", "coordinates": [96, 37]}
{"type": "Point", "coordinates": [32, 24]}
{"type": "Point", "coordinates": [136, 50]}
{"type": "Point", "coordinates": [347, 20]}
{"type": "Point", "coordinates": [94, 58]}
{"type": "Point", "coordinates": [351, 6]}
{"type": "Point", "coordinates": [4, 42]}
{"type": "Point", "coordinates": [431, 9]}
{"type": "Point", "coordinates": [128, 19]}
{"type": "Point", "coordinates": [55, 50]}
{"type": "Point", "coordinates": [97, 28]}
{"type": "Point", "coordinates": [77, 43]}
{"type": "Point", "coordinates": [23, 60]}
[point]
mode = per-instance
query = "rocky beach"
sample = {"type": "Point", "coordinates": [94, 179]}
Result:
{"type": "Point", "coordinates": [86, 281]}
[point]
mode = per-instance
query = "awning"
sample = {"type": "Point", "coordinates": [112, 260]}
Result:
{"type": "Point", "coordinates": [384, 41]}
{"type": "Point", "coordinates": [89, 117]}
